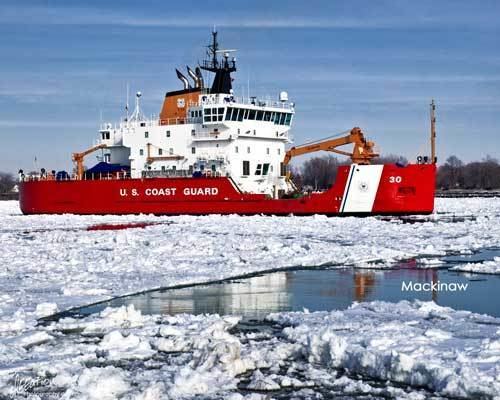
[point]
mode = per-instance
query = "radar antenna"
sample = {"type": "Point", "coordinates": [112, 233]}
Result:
{"type": "Point", "coordinates": [222, 68]}
{"type": "Point", "coordinates": [137, 115]}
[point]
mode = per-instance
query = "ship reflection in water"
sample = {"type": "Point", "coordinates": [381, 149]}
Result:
{"type": "Point", "coordinates": [315, 289]}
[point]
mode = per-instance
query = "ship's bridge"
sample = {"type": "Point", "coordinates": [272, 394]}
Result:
{"type": "Point", "coordinates": [222, 107]}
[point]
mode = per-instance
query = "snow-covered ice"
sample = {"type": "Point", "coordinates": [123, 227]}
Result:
{"type": "Point", "coordinates": [51, 263]}
{"type": "Point", "coordinates": [54, 259]}
{"type": "Point", "coordinates": [485, 267]}
{"type": "Point", "coordinates": [418, 350]}
{"type": "Point", "coordinates": [452, 353]}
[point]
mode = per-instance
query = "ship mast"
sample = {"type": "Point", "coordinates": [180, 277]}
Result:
{"type": "Point", "coordinates": [433, 132]}
{"type": "Point", "coordinates": [222, 68]}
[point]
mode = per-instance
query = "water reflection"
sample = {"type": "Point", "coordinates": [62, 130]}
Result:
{"type": "Point", "coordinates": [314, 289]}
{"type": "Point", "coordinates": [256, 296]}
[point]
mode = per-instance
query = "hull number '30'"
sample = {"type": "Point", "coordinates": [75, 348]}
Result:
{"type": "Point", "coordinates": [189, 191]}
{"type": "Point", "coordinates": [395, 179]}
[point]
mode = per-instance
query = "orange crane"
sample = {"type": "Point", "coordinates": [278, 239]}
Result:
{"type": "Point", "coordinates": [362, 151]}
{"type": "Point", "coordinates": [78, 158]}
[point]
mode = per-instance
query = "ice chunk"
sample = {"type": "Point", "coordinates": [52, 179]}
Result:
{"type": "Point", "coordinates": [46, 309]}
{"type": "Point", "coordinates": [485, 267]}
{"type": "Point", "coordinates": [107, 383]}
{"type": "Point", "coordinates": [117, 346]}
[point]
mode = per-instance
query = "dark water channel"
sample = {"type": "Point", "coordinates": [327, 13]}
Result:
{"type": "Point", "coordinates": [322, 289]}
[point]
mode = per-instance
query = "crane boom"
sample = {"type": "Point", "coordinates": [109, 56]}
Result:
{"type": "Point", "coordinates": [150, 159]}
{"type": "Point", "coordinates": [362, 151]}
{"type": "Point", "coordinates": [78, 158]}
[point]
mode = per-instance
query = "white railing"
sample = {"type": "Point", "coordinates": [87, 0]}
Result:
{"type": "Point", "coordinates": [127, 125]}
{"type": "Point", "coordinates": [121, 176]}
{"type": "Point", "coordinates": [225, 99]}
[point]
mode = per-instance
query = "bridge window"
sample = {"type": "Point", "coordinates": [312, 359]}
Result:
{"type": "Point", "coordinates": [246, 168]}
{"type": "Point", "coordinates": [228, 114]}
{"type": "Point", "coordinates": [208, 113]}
{"type": "Point", "coordinates": [282, 119]}
{"type": "Point", "coordinates": [267, 116]}
{"type": "Point", "coordinates": [258, 170]}
{"type": "Point", "coordinates": [288, 119]}
{"type": "Point", "coordinates": [245, 115]}
{"type": "Point", "coordinates": [241, 111]}
{"type": "Point", "coordinates": [260, 115]}
{"type": "Point", "coordinates": [234, 115]}
{"type": "Point", "coordinates": [214, 114]}
{"type": "Point", "coordinates": [265, 169]}
{"type": "Point", "coordinates": [251, 114]}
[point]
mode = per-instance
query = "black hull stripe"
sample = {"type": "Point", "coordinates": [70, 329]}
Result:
{"type": "Point", "coordinates": [344, 200]}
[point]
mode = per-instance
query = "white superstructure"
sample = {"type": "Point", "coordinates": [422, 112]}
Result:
{"type": "Point", "coordinates": [209, 132]}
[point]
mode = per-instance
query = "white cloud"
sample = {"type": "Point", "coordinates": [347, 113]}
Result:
{"type": "Point", "coordinates": [59, 15]}
{"type": "Point", "coordinates": [25, 123]}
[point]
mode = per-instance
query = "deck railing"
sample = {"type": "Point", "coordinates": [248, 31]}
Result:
{"type": "Point", "coordinates": [121, 176]}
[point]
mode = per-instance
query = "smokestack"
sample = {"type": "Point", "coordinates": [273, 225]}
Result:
{"type": "Point", "coordinates": [183, 79]}
{"type": "Point", "coordinates": [200, 77]}
{"type": "Point", "coordinates": [193, 76]}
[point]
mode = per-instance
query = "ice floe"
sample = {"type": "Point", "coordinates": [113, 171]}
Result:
{"type": "Point", "coordinates": [485, 267]}
{"type": "Point", "coordinates": [414, 350]}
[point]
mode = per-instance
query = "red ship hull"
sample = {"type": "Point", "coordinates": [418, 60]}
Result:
{"type": "Point", "coordinates": [358, 190]}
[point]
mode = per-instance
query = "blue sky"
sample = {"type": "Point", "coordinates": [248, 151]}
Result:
{"type": "Point", "coordinates": [374, 64]}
